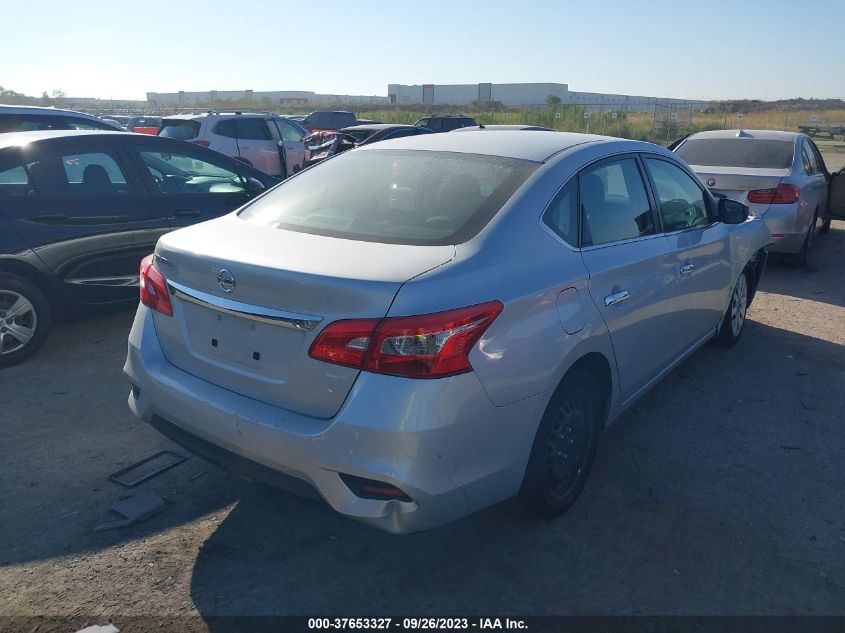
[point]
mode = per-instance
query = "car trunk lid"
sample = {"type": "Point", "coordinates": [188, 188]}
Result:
{"type": "Point", "coordinates": [735, 184]}
{"type": "Point", "coordinates": [249, 300]}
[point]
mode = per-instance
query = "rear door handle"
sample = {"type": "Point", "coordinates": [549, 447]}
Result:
{"type": "Point", "coordinates": [616, 297]}
{"type": "Point", "coordinates": [686, 269]}
{"type": "Point", "coordinates": [186, 213]}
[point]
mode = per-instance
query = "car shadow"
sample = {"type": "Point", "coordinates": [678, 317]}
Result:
{"type": "Point", "coordinates": [690, 508]}
{"type": "Point", "coordinates": [821, 280]}
{"type": "Point", "coordinates": [66, 427]}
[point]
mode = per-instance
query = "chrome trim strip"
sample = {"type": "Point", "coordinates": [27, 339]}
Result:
{"type": "Point", "coordinates": [280, 318]}
{"type": "Point", "coordinates": [127, 280]}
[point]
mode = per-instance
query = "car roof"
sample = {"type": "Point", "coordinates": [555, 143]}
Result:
{"type": "Point", "coordinates": [768, 135]}
{"type": "Point", "coordinates": [15, 109]}
{"type": "Point", "coordinates": [376, 126]}
{"type": "Point", "coordinates": [447, 116]}
{"type": "Point", "coordinates": [536, 147]}
{"type": "Point", "coordinates": [12, 139]}
{"type": "Point", "coordinates": [208, 115]}
{"type": "Point", "coordinates": [499, 128]}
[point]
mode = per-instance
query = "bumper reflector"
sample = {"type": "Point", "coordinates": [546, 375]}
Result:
{"type": "Point", "coordinates": [372, 489]}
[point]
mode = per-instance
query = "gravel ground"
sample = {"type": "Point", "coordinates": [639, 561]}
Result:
{"type": "Point", "coordinates": [719, 493]}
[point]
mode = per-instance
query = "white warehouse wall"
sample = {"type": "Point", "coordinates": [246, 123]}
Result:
{"type": "Point", "coordinates": [528, 94]}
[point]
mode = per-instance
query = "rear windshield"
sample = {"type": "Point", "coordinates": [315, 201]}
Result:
{"type": "Point", "coordinates": [360, 135]}
{"type": "Point", "coordinates": [182, 129]}
{"type": "Point", "coordinates": [394, 196]}
{"type": "Point", "coordinates": [738, 152]}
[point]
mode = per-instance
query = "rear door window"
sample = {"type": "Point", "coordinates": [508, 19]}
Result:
{"type": "Point", "coordinates": [226, 128]}
{"type": "Point", "coordinates": [85, 173]}
{"type": "Point", "coordinates": [14, 181]}
{"type": "Point", "coordinates": [562, 214]}
{"type": "Point", "coordinates": [738, 152]}
{"type": "Point", "coordinates": [805, 160]}
{"type": "Point", "coordinates": [179, 128]}
{"type": "Point", "coordinates": [253, 129]}
{"type": "Point", "coordinates": [811, 165]}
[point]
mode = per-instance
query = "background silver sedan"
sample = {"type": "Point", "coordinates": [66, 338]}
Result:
{"type": "Point", "coordinates": [422, 327]}
{"type": "Point", "coordinates": [781, 176]}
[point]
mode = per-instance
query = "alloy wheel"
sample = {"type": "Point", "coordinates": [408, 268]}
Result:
{"type": "Point", "coordinates": [739, 304]}
{"type": "Point", "coordinates": [18, 321]}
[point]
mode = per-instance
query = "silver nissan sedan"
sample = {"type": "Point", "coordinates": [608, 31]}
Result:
{"type": "Point", "coordinates": [419, 328]}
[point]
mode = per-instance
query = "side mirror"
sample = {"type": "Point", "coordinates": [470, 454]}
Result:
{"type": "Point", "coordinates": [255, 186]}
{"type": "Point", "coordinates": [732, 212]}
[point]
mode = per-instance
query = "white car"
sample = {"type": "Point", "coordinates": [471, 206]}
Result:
{"type": "Point", "coordinates": [266, 141]}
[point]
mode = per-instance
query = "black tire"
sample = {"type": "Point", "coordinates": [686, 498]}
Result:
{"type": "Point", "coordinates": [37, 315]}
{"type": "Point", "coordinates": [802, 258]}
{"type": "Point", "coordinates": [824, 229]}
{"type": "Point", "coordinates": [729, 333]}
{"type": "Point", "coordinates": [554, 478]}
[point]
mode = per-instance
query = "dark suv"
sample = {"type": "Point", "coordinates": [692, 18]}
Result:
{"type": "Point", "coordinates": [331, 120]}
{"type": "Point", "coordinates": [446, 123]}
{"type": "Point", "coordinates": [78, 211]}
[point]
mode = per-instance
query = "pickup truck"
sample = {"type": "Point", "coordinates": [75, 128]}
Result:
{"type": "Point", "coordinates": [822, 129]}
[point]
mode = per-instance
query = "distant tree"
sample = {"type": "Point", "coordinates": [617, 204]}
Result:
{"type": "Point", "coordinates": [58, 96]}
{"type": "Point", "coordinates": [45, 98]}
{"type": "Point", "coordinates": [552, 101]}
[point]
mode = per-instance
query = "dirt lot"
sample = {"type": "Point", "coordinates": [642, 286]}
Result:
{"type": "Point", "coordinates": [719, 493]}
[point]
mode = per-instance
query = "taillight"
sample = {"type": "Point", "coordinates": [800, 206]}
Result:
{"type": "Point", "coordinates": [154, 292]}
{"type": "Point", "coordinates": [201, 143]}
{"type": "Point", "coordinates": [344, 342]}
{"type": "Point", "coordinates": [782, 194]}
{"type": "Point", "coordinates": [424, 346]}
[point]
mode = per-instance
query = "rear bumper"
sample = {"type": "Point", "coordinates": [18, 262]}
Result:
{"type": "Point", "coordinates": [788, 232]}
{"type": "Point", "coordinates": [442, 442]}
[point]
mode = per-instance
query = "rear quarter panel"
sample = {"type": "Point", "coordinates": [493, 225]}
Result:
{"type": "Point", "coordinates": [526, 351]}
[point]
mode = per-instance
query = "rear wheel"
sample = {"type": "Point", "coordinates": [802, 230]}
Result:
{"type": "Point", "coordinates": [24, 319]}
{"type": "Point", "coordinates": [564, 447]}
{"type": "Point", "coordinates": [734, 320]}
{"type": "Point", "coordinates": [825, 227]}
{"type": "Point", "coordinates": [802, 258]}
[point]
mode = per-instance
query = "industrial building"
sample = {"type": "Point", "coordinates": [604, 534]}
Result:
{"type": "Point", "coordinates": [274, 97]}
{"type": "Point", "coordinates": [529, 94]}
{"type": "Point", "coordinates": [510, 95]}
